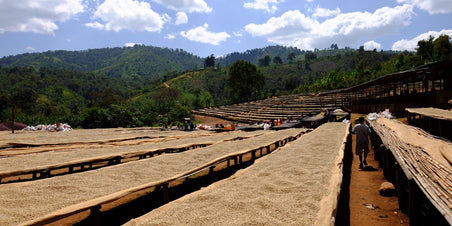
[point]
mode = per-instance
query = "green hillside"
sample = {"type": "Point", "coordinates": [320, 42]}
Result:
{"type": "Point", "coordinates": [139, 61]}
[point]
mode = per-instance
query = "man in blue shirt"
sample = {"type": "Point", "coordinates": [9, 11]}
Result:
{"type": "Point", "coordinates": [362, 142]}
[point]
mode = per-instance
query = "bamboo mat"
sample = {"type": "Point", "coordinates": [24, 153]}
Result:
{"type": "Point", "coordinates": [421, 154]}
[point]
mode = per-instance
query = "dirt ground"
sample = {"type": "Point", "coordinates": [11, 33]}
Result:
{"type": "Point", "coordinates": [366, 205]}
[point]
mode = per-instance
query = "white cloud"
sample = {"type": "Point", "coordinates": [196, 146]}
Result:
{"type": "Point", "coordinates": [267, 5]}
{"type": "Point", "coordinates": [322, 12]}
{"type": "Point", "coordinates": [200, 34]}
{"type": "Point", "coordinates": [198, 6]}
{"type": "Point", "coordinates": [170, 36]}
{"type": "Point", "coordinates": [132, 44]}
{"type": "Point", "coordinates": [95, 25]}
{"type": "Point", "coordinates": [29, 48]}
{"type": "Point", "coordinates": [294, 28]}
{"type": "Point", "coordinates": [181, 18]}
{"type": "Point", "coordinates": [132, 15]}
{"type": "Point", "coordinates": [431, 6]}
{"type": "Point", "coordinates": [411, 45]}
{"type": "Point", "coordinates": [37, 16]}
{"type": "Point", "coordinates": [371, 45]}
{"type": "Point", "coordinates": [237, 34]}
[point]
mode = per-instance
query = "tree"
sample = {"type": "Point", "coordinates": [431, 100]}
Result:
{"type": "Point", "coordinates": [246, 82]}
{"type": "Point", "coordinates": [361, 49]}
{"type": "Point", "coordinates": [291, 56]}
{"type": "Point", "coordinates": [310, 56]}
{"type": "Point", "coordinates": [361, 70]}
{"type": "Point", "coordinates": [177, 114]}
{"type": "Point", "coordinates": [425, 49]}
{"type": "Point", "coordinates": [263, 62]}
{"type": "Point", "coordinates": [277, 60]}
{"type": "Point", "coordinates": [442, 48]}
{"type": "Point", "coordinates": [165, 99]}
{"type": "Point", "coordinates": [400, 61]}
{"type": "Point", "coordinates": [210, 61]}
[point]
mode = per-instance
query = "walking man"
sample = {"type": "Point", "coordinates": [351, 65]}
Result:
{"type": "Point", "coordinates": [362, 142]}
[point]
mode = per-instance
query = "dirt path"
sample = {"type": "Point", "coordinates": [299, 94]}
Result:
{"type": "Point", "coordinates": [367, 207]}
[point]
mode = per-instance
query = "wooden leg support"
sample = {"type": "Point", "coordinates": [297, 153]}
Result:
{"type": "Point", "coordinates": [211, 171]}
{"type": "Point", "coordinates": [95, 215]}
{"type": "Point", "coordinates": [165, 193]}
{"type": "Point", "coordinates": [414, 212]}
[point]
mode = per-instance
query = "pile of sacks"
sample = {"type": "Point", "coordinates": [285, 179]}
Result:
{"type": "Point", "coordinates": [383, 114]}
{"type": "Point", "coordinates": [58, 127]}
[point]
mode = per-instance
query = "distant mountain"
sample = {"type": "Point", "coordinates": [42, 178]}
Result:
{"type": "Point", "coordinates": [142, 61]}
{"type": "Point", "coordinates": [149, 64]}
{"type": "Point", "coordinates": [254, 55]}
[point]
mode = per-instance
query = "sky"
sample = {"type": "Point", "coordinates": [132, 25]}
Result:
{"type": "Point", "coordinates": [219, 27]}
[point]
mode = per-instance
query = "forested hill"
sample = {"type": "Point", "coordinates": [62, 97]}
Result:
{"type": "Point", "coordinates": [154, 62]}
{"type": "Point", "coordinates": [254, 55]}
{"type": "Point", "coordinates": [120, 62]}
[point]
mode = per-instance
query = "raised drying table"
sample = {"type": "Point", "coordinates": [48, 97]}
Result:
{"type": "Point", "coordinates": [433, 120]}
{"type": "Point", "coordinates": [44, 201]}
{"type": "Point", "coordinates": [297, 185]}
{"type": "Point", "coordinates": [421, 170]}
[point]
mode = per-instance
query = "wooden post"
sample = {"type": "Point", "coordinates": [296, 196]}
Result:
{"type": "Point", "coordinates": [13, 116]}
{"type": "Point", "coordinates": [440, 128]}
{"type": "Point", "coordinates": [45, 174]}
{"type": "Point", "coordinates": [402, 185]}
{"type": "Point", "coordinates": [95, 215]}
{"type": "Point", "coordinates": [414, 196]}
{"type": "Point", "coordinates": [211, 178]}
{"type": "Point", "coordinates": [165, 193]}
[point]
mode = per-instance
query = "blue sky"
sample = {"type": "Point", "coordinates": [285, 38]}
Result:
{"type": "Point", "coordinates": [219, 27]}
